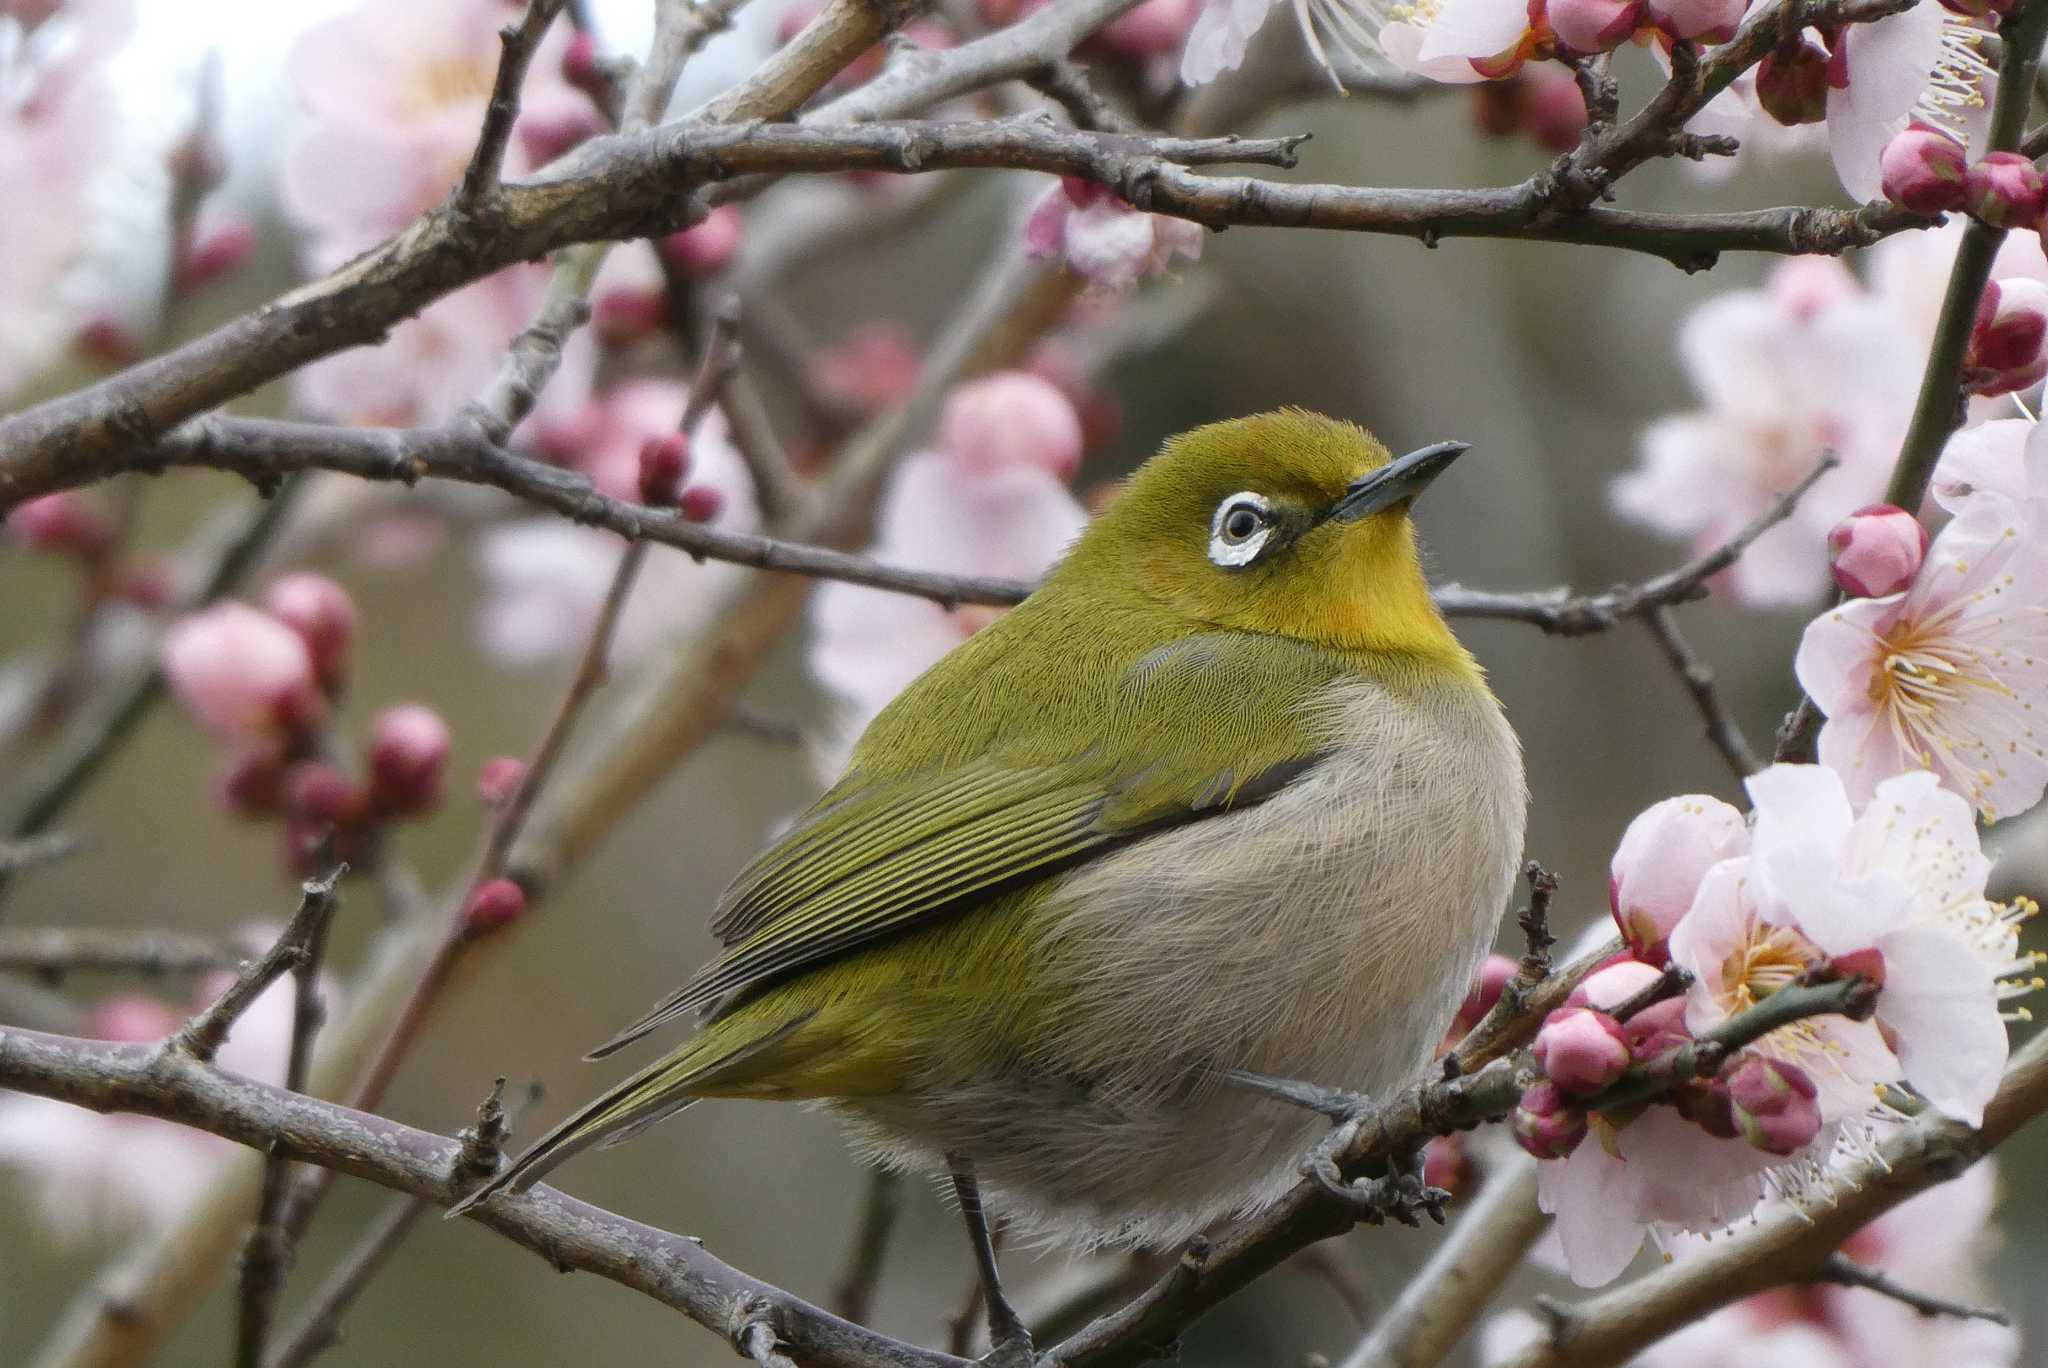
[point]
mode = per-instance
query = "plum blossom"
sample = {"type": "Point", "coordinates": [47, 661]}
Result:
{"type": "Point", "coordinates": [1811, 363]}
{"type": "Point", "coordinates": [545, 579]}
{"type": "Point", "coordinates": [1103, 239]}
{"type": "Point", "coordinates": [1943, 675]}
{"type": "Point", "coordinates": [94, 1176]}
{"type": "Point", "coordinates": [1876, 550]}
{"type": "Point", "coordinates": [994, 506]}
{"type": "Point", "coordinates": [1922, 66]}
{"type": "Point", "coordinates": [57, 125]}
{"type": "Point", "coordinates": [1658, 866]}
{"type": "Point", "coordinates": [242, 673]}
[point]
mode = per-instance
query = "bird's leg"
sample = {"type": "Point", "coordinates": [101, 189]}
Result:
{"type": "Point", "coordinates": [1010, 1342]}
{"type": "Point", "coordinates": [1399, 1193]}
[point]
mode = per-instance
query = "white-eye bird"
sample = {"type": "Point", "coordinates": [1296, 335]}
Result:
{"type": "Point", "coordinates": [1223, 798]}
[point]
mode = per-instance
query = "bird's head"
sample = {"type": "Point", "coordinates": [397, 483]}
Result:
{"type": "Point", "coordinates": [1289, 523]}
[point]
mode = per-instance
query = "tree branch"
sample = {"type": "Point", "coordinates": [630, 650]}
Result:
{"type": "Point", "coordinates": [517, 44]}
{"type": "Point", "coordinates": [53, 951]}
{"type": "Point", "coordinates": [201, 1037]}
{"type": "Point", "coordinates": [1844, 1271]}
{"type": "Point", "coordinates": [1722, 730]}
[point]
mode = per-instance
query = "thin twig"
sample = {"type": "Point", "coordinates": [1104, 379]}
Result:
{"type": "Point", "coordinates": [1844, 1271]}
{"type": "Point", "coordinates": [52, 951]}
{"type": "Point", "coordinates": [320, 1328]}
{"type": "Point", "coordinates": [28, 852]}
{"type": "Point", "coordinates": [1722, 730]}
{"type": "Point", "coordinates": [880, 1204]}
{"type": "Point", "coordinates": [201, 1036]}
{"type": "Point", "coordinates": [517, 43]}
{"type": "Point", "coordinates": [266, 1257]}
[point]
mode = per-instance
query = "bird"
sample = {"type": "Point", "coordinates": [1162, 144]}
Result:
{"type": "Point", "coordinates": [1222, 802]}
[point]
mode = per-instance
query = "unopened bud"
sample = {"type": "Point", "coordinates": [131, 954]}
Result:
{"type": "Point", "coordinates": [664, 461]}
{"type": "Point", "coordinates": [109, 341]}
{"type": "Point", "coordinates": [495, 905]}
{"type": "Point", "coordinates": [1586, 27]}
{"type": "Point", "coordinates": [1876, 550]}
{"type": "Point", "coordinates": [1545, 1124]}
{"type": "Point", "coordinates": [1774, 1104]}
{"type": "Point", "coordinates": [1924, 170]}
{"type": "Point", "coordinates": [323, 615]}
{"type": "Point", "coordinates": [1486, 988]}
{"type": "Point", "coordinates": [1705, 21]}
{"type": "Point", "coordinates": [1657, 1028]}
{"type": "Point", "coordinates": [242, 673]}
{"type": "Point", "coordinates": [321, 793]}
{"type": "Point", "coordinates": [252, 784]}
{"type": "Point", "coordinates": [1446, 1164]}
{"type": "Point", "coordinates": [701, 503]}
{"type": "Point", "coordinates": [500, 778]}
{"type": "Point", "coordinates": [64, 523]}
{"type": "Point", "coordinates": [620, 317]}
{"type": "Point", "coordinates": [1580, 1049]}
{"type": "Point", "coordinates": [709, 247]}
{"type": "Point", "coordinates": [216, 252]}
{"type": "Point", "coordinates": [2006, 340]}
{"type": "Point", "coordinates": [1792, 83]}
{"type": "Point", "coordinates": [2005, 190]}
{"type": "Point", "coordinates": [1704, 1102]}
{"type": "Point", "coordinates": [148, 585]}
{"type": "Point", "coordinates": [408, 759]}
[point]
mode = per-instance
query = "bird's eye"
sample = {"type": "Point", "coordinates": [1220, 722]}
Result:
{"type": "Point", "coordinates": [1239, 530]}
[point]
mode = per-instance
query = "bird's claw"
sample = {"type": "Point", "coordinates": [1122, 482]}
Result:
{"type": "Point", "coordinates": [1401, 1194]}
{"type": "Point", "coordinates": [1010, 1351]}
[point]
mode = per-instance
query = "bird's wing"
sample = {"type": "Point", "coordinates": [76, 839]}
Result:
{"type": "Point", "coordinates": [893, 854]}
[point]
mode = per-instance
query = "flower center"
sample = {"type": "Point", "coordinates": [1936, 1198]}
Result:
{"type": "Point", "coordinates": [1959, 79]}
{"type": "Point", "coordinates": [436, 85]}
{"type": "Point", "coordinates": [1765, 960]}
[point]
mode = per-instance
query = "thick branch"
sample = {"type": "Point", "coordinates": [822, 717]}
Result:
{"type": "Point", "coordinates": [673, 1269]}
{"type": "Point", "coordinates": [51, 951]}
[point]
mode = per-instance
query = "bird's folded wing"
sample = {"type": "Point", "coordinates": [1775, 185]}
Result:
{"type": "Point", "coordinates": [892, 854]}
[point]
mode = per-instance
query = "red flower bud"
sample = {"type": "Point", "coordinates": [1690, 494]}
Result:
{"type": "Point", "coordinates": [321, 793]}
{"type": "Point", "coordinates": [1774, 1104]}
{"type": "Point", "coordinates": [1876, 550]}
{"type": "Point", "coordinates": [1580, 1049]}
{"type": "Point", "coordinates": [408, 759]}
{"type": "Point", "coordinates": [109, 341]}
{"type": "Point", "coordinates": [1545, 1124]}
{"type": "Point", "coordinates": [64, 523]}
{"type": "Point", "coordinates": [252, 784]}
{"type": "Point", "coordinates": [494, 906]}
{"type": "Point", "coordinates": [621, 317]}
{"type": "Point", "coordinates": [701, 503]}
{"type": "Point", "coordinates": [2006, 340]}
{"type": "Point", "coordinates": [500, 778]}
{"type": "Point", "coordinates": [664, 461]}
{"type": "Point", "coordinates": [709, 247]}
{"type": "Point", "coordinates": [1486, 988]}
{"type": "Point", "coordinates": [2005, 190]}
{"type": "Point", "coordinates": [1792, 84]}
{"type": "Point", "coordinates": [1705, 1103]}
{"type": "Point", "coordinates": [216, 252]}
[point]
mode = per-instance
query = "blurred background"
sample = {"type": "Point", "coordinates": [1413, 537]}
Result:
{"type": "Point", "coordinates": [1550, 360]}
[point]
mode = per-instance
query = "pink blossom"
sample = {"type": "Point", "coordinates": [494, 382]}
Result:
{"type": "Point", "coordinates": [1940, 676]}
{"type": "Point", "coordinates": [1103, 239]}
{"type": "Point", "coordinates": [546, 579]}
{"type": "Point", "coordinates": [1457, 41]}
{"type": "Point", "coordinates": [95, 1177]}
{"type": "Point", "coordinates": [1150, 29]}
{"type": "Point", "coordinates": [950, 510]}
{"type": "Point", "coordinates": [1705, 21]}
{"type": "Point", "coordinates": [1586, 27]}
{"type": "Point", "coordinates": [1876, 550]}
{"type": "Point", "coordinates": [243, 674]}
{"type": "Point", "coordinates": [1012, 418]}
{"type": "Point", "coordinates": [706, 248]}
{"type": "Point", "coordinates": [1658, 866]}
{"type": "Point", "coordinates": [1782, 380]}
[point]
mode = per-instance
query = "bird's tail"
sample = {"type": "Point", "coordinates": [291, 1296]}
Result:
{"type": "Point", "coordinates": [653, 1095]}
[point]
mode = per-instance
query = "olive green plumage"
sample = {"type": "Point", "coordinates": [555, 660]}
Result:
{"type": "Point", "coordinates": [912, 947]}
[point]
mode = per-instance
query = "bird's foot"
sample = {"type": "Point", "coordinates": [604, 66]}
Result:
{"type": "Point", "coordinates": [1012, 1345]}
{"type": "Point", "coordinates": [1399, 1194]}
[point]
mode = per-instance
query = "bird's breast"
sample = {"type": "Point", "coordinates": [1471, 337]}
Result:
{"type": "Point", "coordinates": [1326, 933]}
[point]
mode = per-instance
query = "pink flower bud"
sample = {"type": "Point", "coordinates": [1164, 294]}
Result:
{"type": "Point", "coordinates": [1659, 863]}
{"type": "Point", "coordinates": [709, 247]}
{"type": "Point", "coordinates": [495, 905]}
{"type": "Point", "coordinates": [1012, 418]}
{"type": "Point", "coordinates": [64, 523]}
{"type": "Point", "coordinates": [664, 461]}
{"type": "Point", "coordinates": [1446, 1164]}
{"type": "Point", "coordinates": [1792, 84]}
{"type": "Point", "coordinates": [2005, 190]}
{"type": "Point", "coordinates": [1589, 26]}
{"type": "Point", "coordinates": [408, 758]}
{"type": "Point", "coordinates": [323, 615]}
{"type": "Point", "coordinates": [1876, 550]}
{"type": "Point", "coordinates": [1657, 1028]}
{"type": "Point", "coordinates": [1547, 1125]}
{"type": "Point", "coordinates": [1486, 987]}
{"type": "Point", "coordinates": [252, 784]}
{"type": "Point", "coordinates": [1613, 983]}
{"type": "Point", "coordinates": [2006, 341]}
{"type": "Point", "coordinates": [316, 791]}
{"type": "Point", "coordinates": [241, 673]}
{"type": "Point", "coordinates": [1707, 21]}
{"type": "Point", "coordinates": [701, 503]}
{"type": "Point", "coordinates": [581, 66]}
{"type": "Point", "coordinates": [1152, 28]}
{"type": "Point", "coordinates": [1705, 1103]}
{"type": "Point", "coordinates": [627, 314]}
{"type": "Point", "coordinates": [1580, 1049]}
{"type": "Point", "coordinates": [108, 341]}
{"type": "Point", "coordinates": [874, 368]}
{"type": "Point", "coordinates": [500, 778]}
{"type": "Point", "coordinates": [216, 252]}
{"type": "Point", "coordinates": [1553, 111]}
{"type": "Point", "coordinates": [1924, 169]}
{"type": "Point", "coordinates": [1774, 1104]}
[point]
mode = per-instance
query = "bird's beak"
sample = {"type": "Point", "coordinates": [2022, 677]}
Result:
{"type": "Point", "coordinates": [1396, 482]}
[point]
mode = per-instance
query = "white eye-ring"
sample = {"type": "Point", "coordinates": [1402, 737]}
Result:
{"type": "Point", "coordinates": [1239, 530]}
